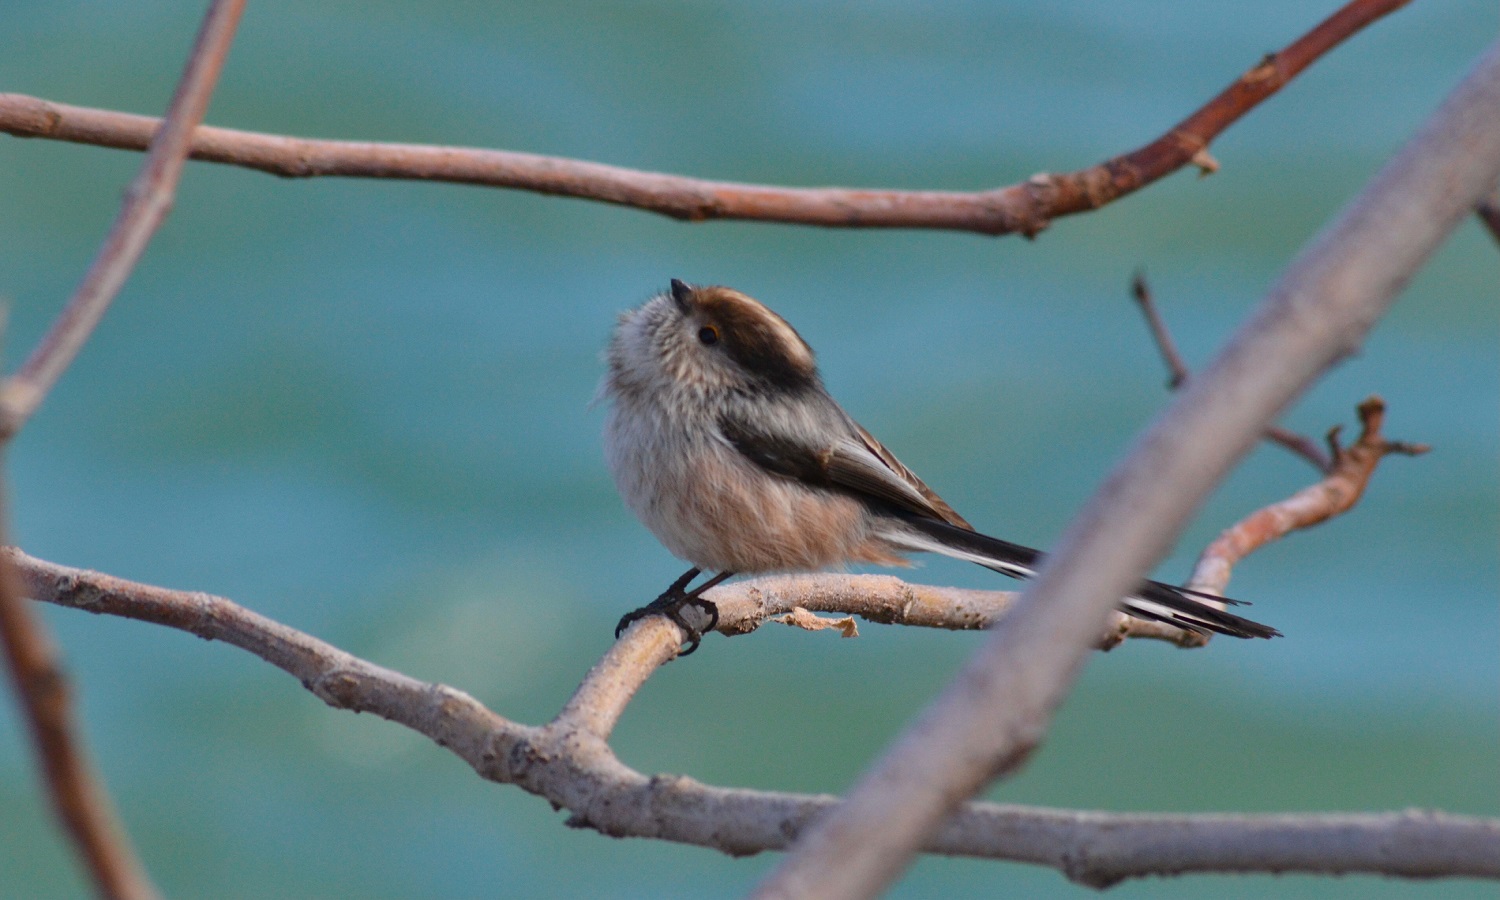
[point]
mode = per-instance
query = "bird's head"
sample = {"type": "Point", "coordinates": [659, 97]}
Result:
{"type": "Point", "coordinates": [708, 339]}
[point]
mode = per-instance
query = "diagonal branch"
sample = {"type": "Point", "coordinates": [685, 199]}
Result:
{"type": "Point", "coordinates": [1027, 207]}
{"type": "Point", "coordinates": [996, 712]}
{"type": "Point", "coordinates": [147, 202]}
{"type": "Point", "coordinates": [568, 763]}
{"type": "Point", "coordinates": [77, 793]}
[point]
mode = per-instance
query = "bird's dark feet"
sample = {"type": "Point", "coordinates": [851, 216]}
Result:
{"type": "Point", "coordinates": [686, 609]}
{"type": "Point", "coordinates": [693, 614]}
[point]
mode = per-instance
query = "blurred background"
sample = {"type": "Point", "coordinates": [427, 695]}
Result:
{"type": "Point", "coordinates": [361, 408]}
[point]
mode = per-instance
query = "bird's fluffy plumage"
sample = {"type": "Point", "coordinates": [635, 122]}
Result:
{"type": "Point", "coordinates": [723, 440]}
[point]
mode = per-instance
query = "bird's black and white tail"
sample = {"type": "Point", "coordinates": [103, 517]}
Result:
{"type": "Point", "coordinates": [1153, 600]}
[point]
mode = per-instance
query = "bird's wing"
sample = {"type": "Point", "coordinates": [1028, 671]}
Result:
{"type": "Point", "coordinates": [855, 463]}
{"type": "Point", "coordinates": [856, 457]}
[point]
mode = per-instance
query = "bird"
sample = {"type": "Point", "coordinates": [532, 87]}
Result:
{"type": "Point", "coordinates": [724, 442]}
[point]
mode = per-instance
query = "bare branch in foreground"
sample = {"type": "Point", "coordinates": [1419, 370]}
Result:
{"type": "Point", "coordinates": [568, 763]}
{"type": "Point", "coordinates": [1027, 207]}
{"type": "Point", "coordinates": [1334, 495]}
{"type": "Point", "coordinates": [147, 202]}
{"type": "Point", "coordinates": [1177, 374]}
{"type": "Point", "coordinates": [996, 712]}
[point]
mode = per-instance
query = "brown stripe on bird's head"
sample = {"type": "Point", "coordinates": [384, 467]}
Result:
{"type": "Point", "coordinates": [759, 340]}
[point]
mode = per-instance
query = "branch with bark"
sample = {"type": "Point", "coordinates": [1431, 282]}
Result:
{"type": "Point", "coordinates": [1348, 474]}
{"type": "Point", "coordinates": [1026, 208]}
{"type": "Point", "coordinates": [148, 200]}
{"type": "Point", "coordinates": [569, 763]}
{"type": "Point", "coordinates": [887, 600]}
{"type": "Point", "coordinates": [35, 663]}
{"type": "Point", "coordinates": [77, 793]}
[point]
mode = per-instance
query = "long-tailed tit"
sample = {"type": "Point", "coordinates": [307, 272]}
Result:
{"type": "Point", "coordinates": [723, 440]}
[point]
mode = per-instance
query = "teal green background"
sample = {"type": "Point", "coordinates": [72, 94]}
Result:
{"type": "Point", "coordinates": [361, 408]}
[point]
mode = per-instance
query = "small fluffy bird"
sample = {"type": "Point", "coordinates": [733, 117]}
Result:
{"type": "Point", "coordinates": [723, 440]}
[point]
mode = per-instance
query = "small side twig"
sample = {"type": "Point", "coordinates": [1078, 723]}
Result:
{"type": "Point", "coordinates": [1177, 375]}
{"type": "Point", "coordinates": [1334, 495]}
{"type": "Point", "coordinates": [1177, 369]}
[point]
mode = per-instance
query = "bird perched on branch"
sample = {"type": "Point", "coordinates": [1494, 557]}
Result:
{"type": "Point", "coordinates": [723, 440]}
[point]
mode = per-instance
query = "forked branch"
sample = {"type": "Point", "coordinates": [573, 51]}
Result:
{"type": "Point", "coordinates": [568, 762]}
{"type": "Point", "coordinates": [1348, 476]}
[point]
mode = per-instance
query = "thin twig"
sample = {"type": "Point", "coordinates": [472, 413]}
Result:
{"type": "Point", "coordinates": [1177, 374]}
{"type": "Point", "coordinates": [1334, 495]}
{"type": "Point", "coordinates": [1177, 369]}
{"type": "Point", "coordinates": [997, 710]}
{"type": "Point", "coordinates": [568, 763]}
{"type": "Point", "coordinates": [146, 204]}
{"type": "Point", "coordinates": [1027, 207]}
{"type": "Point", "coordinates": [77, 793]}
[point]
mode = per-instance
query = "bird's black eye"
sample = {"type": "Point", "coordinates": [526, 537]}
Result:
{"type": "Point", "coordinates": [709, 335]}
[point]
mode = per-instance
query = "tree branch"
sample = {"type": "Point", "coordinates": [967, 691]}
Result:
{"type": "Point", "coordinates": [745, 606]}
{"type": "Point", "coordinates": [1027, 207]}
{"type": "Point", "coordinates": [568, 762]}
{"type": "Point", "coordinates": [77, 793]}
{"type": "Point", "coordinates": [147, 202]}
{"type": "Point", "coordinates": [1177, 374]}
{"type": "Point", "coordinates": [996, 712]}
{"type": "Point", "coordinates": [1336, 494]}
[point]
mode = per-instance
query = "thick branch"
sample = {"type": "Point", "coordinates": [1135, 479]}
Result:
{"type": "Point", "coordinates": [147, 202]}
{"type": "Point", "coordinates": [1027, 207]}
{"type": "Point", "coordinates": [995, 713]}
{"type": "Point", "coordinates": [568, 763]}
